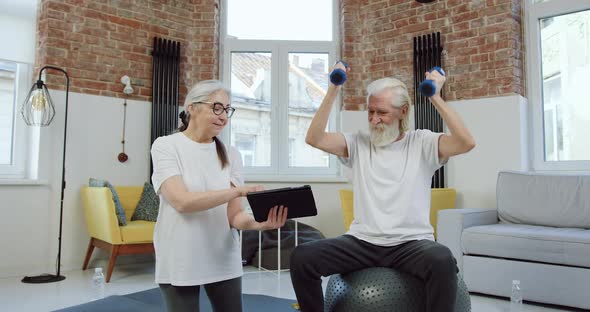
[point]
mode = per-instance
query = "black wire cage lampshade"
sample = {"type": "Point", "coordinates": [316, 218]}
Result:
{"type": "Point", "coordinates": [38, 110]}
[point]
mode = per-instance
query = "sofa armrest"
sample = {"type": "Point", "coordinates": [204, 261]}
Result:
{"type": "Point", "coordinates": [101, 219]}
{"type": "Point", "coordinates": [452, 222]}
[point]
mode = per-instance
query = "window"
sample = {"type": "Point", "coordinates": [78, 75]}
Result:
{"type": "Point", "coordinates": [8, 75]}
{"type": "Point", "coordinates": [246, 144]}
{"type": "Point", "coordinates": [275, 57]}
{"type": "Point", "coordinates": [558, 35]}
{"type": "Point", "coordinates": [251, 81]}
{"type": "Point", "coordinates": [303, 20]}
{"type": "Point", "coordinates": [14, 135]}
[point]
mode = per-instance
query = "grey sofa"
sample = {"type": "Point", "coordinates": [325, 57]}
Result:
{"type": "Point", "coordinates": [538, 234]}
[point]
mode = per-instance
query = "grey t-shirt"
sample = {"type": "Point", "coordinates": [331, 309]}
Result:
{"type": "Point", "coordinates": [391, 186]}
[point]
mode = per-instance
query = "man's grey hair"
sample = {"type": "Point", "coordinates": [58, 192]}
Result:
{"type": "Point", "coordinates": [400, 95]}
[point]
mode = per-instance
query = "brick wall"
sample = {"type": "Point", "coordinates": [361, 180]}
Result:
{"type": "Point", "coordinates": [482, 39]}
{"type": "Point", "coordinates": [98, 41]}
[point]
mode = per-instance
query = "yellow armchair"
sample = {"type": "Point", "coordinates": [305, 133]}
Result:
{"type": "Point", "coordinates": [134, 238]}
{"type": "Point", "coordinates": [441, 198]}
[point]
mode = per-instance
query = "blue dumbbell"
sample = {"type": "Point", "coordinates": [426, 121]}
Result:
{"type": "Point", "coordinates": [428, 87]}
{"type": "Point", "coordinates": [338, 75]}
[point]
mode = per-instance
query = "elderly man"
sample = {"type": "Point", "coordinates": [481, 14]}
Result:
{"type": "Point", "coordinates": [392, 168]}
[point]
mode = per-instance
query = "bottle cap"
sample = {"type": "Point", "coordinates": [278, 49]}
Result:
{"type": "Point", "coordinates": [515, 282]}
{"type": "Point", "coordinates": [98, 270]}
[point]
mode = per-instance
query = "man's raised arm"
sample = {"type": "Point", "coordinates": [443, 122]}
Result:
{"type": "Point", "coordinates": [329, 142]}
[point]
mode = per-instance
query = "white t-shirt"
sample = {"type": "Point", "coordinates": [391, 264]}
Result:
{"type": "Point", "coordinates": [193, 248]}
{"type": "Point", "coordinates": [236, 174]}
{"type": "Point", "coordinates": [391, 186]}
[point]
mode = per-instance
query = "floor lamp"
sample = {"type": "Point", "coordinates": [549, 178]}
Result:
{"type": "Point", "coordinates": [38, 110]}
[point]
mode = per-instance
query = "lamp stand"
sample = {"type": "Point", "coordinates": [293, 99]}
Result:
{"type": "Point", "coordinates": [50, 278]}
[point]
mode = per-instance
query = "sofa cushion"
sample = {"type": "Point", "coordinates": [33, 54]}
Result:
{"type": "Point", "coordinates": [138, 232]}
{"type": "Point", "coordinates": [148, 205]}
{"type": "Point", "coordinates": [567, 246]}
{"type": "Point", "coordinates": [92, 182]}
{"type": "Point", "coordinates": [544, 199]}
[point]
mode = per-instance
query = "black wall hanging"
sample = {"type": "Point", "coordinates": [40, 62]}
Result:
{"type": "Point", "coordinates": [427, 54]}
{"type": "Point", "coordinates": [165, 82]}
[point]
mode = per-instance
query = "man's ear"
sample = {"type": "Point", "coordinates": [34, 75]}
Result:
{"type": "Point", "coordinates": [405, 110]}
{"type": "Point", "coordinates": [403, 126]}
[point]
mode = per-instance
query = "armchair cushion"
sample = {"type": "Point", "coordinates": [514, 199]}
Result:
{"type": "Point", "coordinates": [138, 232]}
{"type": "Point", "coordinates": [148, 205]}
{"type": "Point", "coordinates": [92, 182]}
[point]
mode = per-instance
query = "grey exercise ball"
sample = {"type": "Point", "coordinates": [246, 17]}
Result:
{"type": "Point", "coordinates": [383, 289]}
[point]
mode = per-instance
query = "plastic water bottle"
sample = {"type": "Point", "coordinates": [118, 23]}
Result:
{"type": "Point", "coordinates": [516, 297]}
{"type": "Point", "coordinates": [98, 284]}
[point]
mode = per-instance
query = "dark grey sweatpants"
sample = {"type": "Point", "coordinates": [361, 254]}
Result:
{"type": "Point", "coordinates": [225, 296]}
{"type": "Point", "coordinates": [429, 261]}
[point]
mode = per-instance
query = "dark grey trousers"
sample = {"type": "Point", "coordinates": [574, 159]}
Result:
{"type": "Point", "coordinates": [429, 261]}
{"type": "Point", "coordinates": [225, 296]}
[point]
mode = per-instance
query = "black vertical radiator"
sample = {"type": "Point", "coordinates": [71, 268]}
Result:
{"type": "Point", "coordinates": [165, 82]}
{"type": "Point", "coordinates": [427, 54]}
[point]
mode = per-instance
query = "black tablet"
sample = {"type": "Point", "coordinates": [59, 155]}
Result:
{"type": "Point", "coordinates": [299, 200]}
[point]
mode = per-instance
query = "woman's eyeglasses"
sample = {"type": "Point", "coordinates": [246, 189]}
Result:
{"type": "Point", "coordinates": [219, 108]}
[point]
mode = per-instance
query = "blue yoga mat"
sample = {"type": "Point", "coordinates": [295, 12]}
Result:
{"type": "Point", "coordinates": [151, 300]}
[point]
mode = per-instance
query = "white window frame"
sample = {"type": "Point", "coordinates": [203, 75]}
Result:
{"type": "Point", "coordinates": [535, 12]}
{"type": "Point", "coordinates": [24, 153]}
{"type": "Point", "coordinates": [279, 170]}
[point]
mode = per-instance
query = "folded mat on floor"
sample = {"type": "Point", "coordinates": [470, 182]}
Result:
{"type": "Point", "coordinates": [151, 300]}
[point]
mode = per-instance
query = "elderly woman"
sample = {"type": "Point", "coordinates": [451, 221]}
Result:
{"type": "Point", "coordinates": [200, 207]}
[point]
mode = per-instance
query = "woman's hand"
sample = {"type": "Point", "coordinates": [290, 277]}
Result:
{"type": "Point", "coordinates": [277, 216]}
{"type": "Point", "coordinates": [244, 190]}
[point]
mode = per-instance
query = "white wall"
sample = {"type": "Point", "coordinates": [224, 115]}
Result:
{"type": "Point", "coordinates": [31, 220]}
{"type": "Point", "coordinates": [25, 224]}
{"type": "Point", "coordinates": [499, 126]}
{"type": "Point", "coordinates": [18, 37]}
{"type": "Point", "coordinates": [31, 213]}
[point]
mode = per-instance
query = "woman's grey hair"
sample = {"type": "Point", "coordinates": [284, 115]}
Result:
{"type": "Point", "coordinates": [400, 96]}
{"type": "Point", "coordinates": [202, 90]}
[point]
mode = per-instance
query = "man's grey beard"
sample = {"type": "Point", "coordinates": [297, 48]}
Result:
{"type": "Point", "coordinates": [383, 134]}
